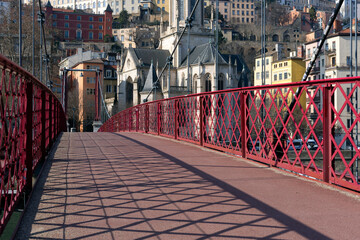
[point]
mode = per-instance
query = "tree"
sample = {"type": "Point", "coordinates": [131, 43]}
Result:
{"type": "Point", "coordinates": [313, 17]}
{"type": "Point", "coordinates": [221, 38]}
{"type": "Point", "coordinates": [123, 19]}
{"type": "Point", "coordinates": [208, 14]}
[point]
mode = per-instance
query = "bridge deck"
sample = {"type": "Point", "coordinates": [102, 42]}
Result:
{"type": "Point", "coordinates": [131, 185]}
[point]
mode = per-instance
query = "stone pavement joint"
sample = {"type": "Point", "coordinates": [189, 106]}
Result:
{"type": "Point", "coordinates": [137, 186]}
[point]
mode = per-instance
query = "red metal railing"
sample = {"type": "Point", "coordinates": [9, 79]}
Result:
{"type": "Point", "coordinates": [31, 118]}
{"type": "Point", "coordinates": [317, 140]}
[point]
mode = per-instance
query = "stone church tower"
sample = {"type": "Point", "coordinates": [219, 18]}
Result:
{"type": "Point", "coordinates": [179, 11]}
{"type": "Point", "coordinates": [139, 69]}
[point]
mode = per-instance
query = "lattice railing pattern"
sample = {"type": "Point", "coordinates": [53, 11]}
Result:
{"type": "Point", "coordinates": [31, 118]}
{"type": "Point", "coordinates": [318, 137]}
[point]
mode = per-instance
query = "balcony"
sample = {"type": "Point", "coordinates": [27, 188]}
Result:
{"type": "Point", "coordinates": [315, 70]}
{"type": "Point", "coordinates": [330, 52]}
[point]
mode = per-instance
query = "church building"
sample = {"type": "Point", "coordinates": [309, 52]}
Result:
{"type": "Point", "coordinates": [139, 69]}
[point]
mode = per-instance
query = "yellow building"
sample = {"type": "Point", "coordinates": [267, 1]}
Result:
{"type": "Point", "coordinates": [258, 69]}
{"type": "Point", "coordinates": [162, 5]}
{"type": "Point", "coordinates": [289, 70]}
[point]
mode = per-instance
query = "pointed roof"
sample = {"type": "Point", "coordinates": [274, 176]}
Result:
{"type": "Point", "coordinates": [146, 56]}
{"type": "Point", "coordinates": [205, 54]}
{"type": "Point", "coordinates": [48, 4]}
{"type": "Point", "coordinates": [108, 9]}
{"type": "Point", "coordinates": [150, 79]}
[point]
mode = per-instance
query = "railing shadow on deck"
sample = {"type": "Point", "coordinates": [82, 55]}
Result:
{"type": "Point", "coordinates": [147, 194]}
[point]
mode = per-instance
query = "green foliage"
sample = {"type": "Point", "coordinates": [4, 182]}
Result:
{"type": "Point", "coordinates": [312, 12]}
{"type": "Point", "coordinates": [221, 38]}
{"type": "Point", "coordinates": [123, 19]}
{"type": "Point", "coordinates": [108, 38]}
{"type": "Point", "coordinates": [115, 48]}
{"type": "Point", "coordinates": [208, 14]}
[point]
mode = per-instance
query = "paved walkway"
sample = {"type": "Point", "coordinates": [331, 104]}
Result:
{"type": "Point", "coordinates": [136, 186]}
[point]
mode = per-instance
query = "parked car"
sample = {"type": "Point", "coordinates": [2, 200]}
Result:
{"type": "Point", "coordinates": [297, 144]}
{"type": "Point", "coordinates": [253, 144]}
{"type": "Point", "coordinates": [312, 144]}
{"type": "Point", "coordinates": [351, 147]}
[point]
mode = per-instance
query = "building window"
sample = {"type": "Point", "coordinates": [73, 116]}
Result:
{"type": "Point", "coordinates": [267, 61]}
{"type": "Point", "coordinates": [285, 75]}
{"type": "Point", "coordinates": [348, 61]}
{"type": "Point", "coordinates": [333, 45]}
{"type": "Point", "coordinates": [258, 63]}
{"type": "Point", "coordinates": [108, 73]}
{"type": "Point", "coordinates": [66, 17]}
{"type": "Point", "coordinates": [91, 35]}
{"type": "Point", "coordinates": [333, 61]}
{"type": "Point", "coordinates": [280, 65]}
{"type": "Point", "coordinates": [90, 91]}
{"type": "Point", "coordinates": [78, 18]}
{"type": "Point", "coordinates": [280, 76]}
{"type": "Point", "coordinates": [78, 25]}
{"type": "Point", "coordinates": [91, 26]}
{"type": "Point", "coordinates": [257, 76]}
{"type": "Point", "coordinates": [275, 77]}
{"type": "Point", "coordinates": [54, 16]}
{"type": "Point", "coordinates": [108, 88]}
{"type": "Point", "coordinates": [285, 64]}
{"type": "Point", "coordinates": [100, 36]}
{"type": "Point", "coordinates": [122, 38]}
{"type": "Point", "coordinates": [78, 34]}
{"type": "Point", "coordinates": [225, 10]}
{"type": "Point", "coordinates": [267, 74]}
{"type": "Point", "coordinates": [275, 65]}
{"type": "Point", "coordinates": [348, 123]}
{"type": "Point", "coordinates": [54, 24]}
{"type": "Point", "coordinates": [100, 19]}
{"type": "Point", "coordinates": [66, 34]}
{"type": "Point", "coordinates": [91, 19]}
{"type": "Point", "coordinates": [101, 27]}
{"type": "Point", "coordinates": [66, 25]}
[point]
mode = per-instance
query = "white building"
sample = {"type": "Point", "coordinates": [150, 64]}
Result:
{"type": "Point", "coordinates": [136, 63]}
{"type": "Point", "coordinates": [334, 62]}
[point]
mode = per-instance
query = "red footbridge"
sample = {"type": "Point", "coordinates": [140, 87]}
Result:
{"type": "Point", "coordinates": [234, 164]}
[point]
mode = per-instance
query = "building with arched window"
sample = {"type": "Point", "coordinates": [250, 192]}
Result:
{"type": "Point", "coordinates": [193, 68]}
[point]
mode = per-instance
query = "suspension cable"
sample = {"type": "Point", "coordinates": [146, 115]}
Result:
{"type": "Point", "coordinates": [103, 101]}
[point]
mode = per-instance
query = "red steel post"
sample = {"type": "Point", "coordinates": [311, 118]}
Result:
{"type": "Point", "coordinates": [146, 118]}
{"type": "Point", "coordinates": [176, 123]}
{"type": "Point", "coordinates": [137, 119]}
{"type": "Point", "coordinates": [158, 118]}
{"type": "Point", "coordinates": [29, 140]}
{"type": "Point", "coordinates": [202, 120]}
{"type": "Point", "coordinates": [43, 123]}
{"type": "Point", "coordinates": [327, 132]}
{"type": "Point", "coordinates": [50, 121]}
{"type": "Point", "coordinates": [243, 123]}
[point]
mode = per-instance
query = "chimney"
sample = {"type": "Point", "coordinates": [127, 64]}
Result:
{"type": "Point", "coordinates": [300, 52]}
{"type": "Point", "coordinates": [337, 26]}
{"type": "Point", "coordinates": [79, 51]}
{"type": "Point", "coordinates": [278, 49]}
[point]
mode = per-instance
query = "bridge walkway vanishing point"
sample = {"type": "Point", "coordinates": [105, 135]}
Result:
{"type": "Point", "coordinates": [137, 186]}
